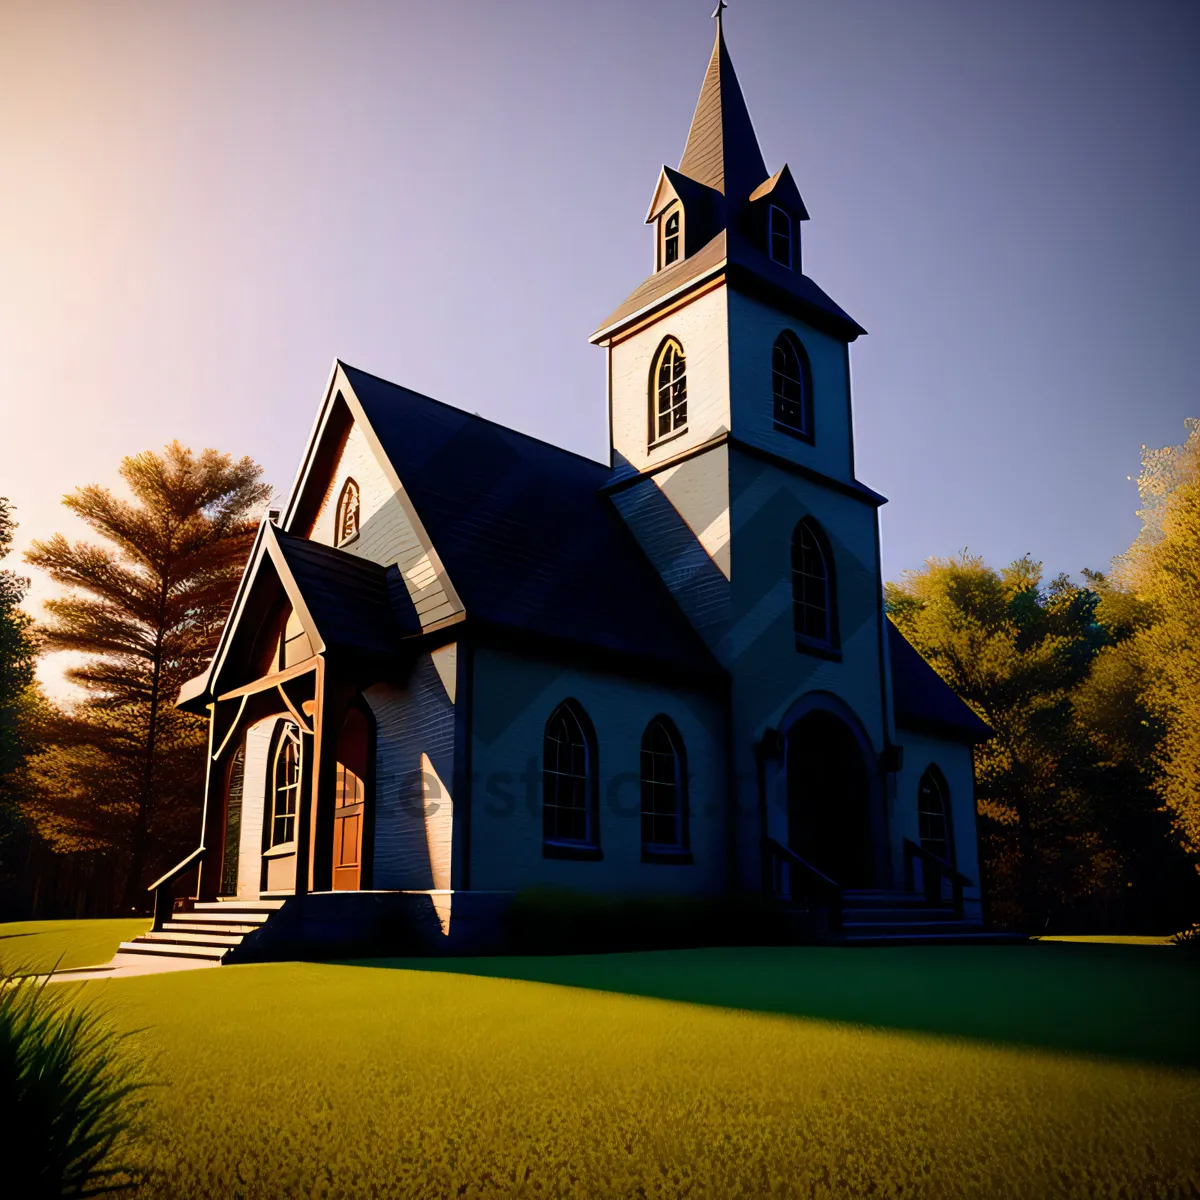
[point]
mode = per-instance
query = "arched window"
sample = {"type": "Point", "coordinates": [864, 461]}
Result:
{"type": "Point", "coordinates": [791, 385]}
{"type": "Point", "coordinates": [779, 235]}
{"type": "Point", "coordinates": [347, 514]}
{"type": "Point", "coordinates": [670, 252]}
{"type": "Point", "coordinates": [285, 784]}
{"type": "Point", "coordinates": [568, 784]}
{"type": "Point", "coordinates": [664, 803]}
{"type": "Point", "coordinates": [933, 814]}
{"type": "Point", "coordinates": [669, 391]}
{"type": "Point", "coordinates": [813, 605]}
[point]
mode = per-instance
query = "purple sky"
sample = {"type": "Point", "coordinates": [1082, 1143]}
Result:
{"type": "Point", "coordinates": [201, 205]}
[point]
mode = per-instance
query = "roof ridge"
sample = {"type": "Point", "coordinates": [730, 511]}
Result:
{"type": "Point", "coordinates": [475, 416]}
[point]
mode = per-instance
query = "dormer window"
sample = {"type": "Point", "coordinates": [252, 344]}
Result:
{"type": "Point", "coordinates": [779, 236]}
{"type": "Point", "coordinates": [670, 237]}
{"type": "Point", "coordinates": [347, 514]}
{"type": "Point", "coordinates": [668, 393]}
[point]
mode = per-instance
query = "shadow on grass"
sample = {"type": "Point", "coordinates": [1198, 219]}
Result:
{"type": "Point", "coordinates": [1128, 1002]}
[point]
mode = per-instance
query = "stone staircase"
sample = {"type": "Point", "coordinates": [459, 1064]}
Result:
{"type": "Point", "coordinates": [898, 918]}
{"type": "Point", "coordinates": [210, 931]}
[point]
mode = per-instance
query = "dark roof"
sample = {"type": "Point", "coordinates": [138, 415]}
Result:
{"type": "Point", "coordinates": [923, 700]}
{"type": "Point", "coordinates": [751, 264]}
{"type": "Point", "coordinates": [357, 604]}
{"type": "Point", "coordinates": [722, 151]}
{"type": "Point", "coordinates": [527, 539]}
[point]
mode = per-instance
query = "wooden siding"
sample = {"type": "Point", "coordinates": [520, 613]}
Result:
{"type": "Point", "coordinates": [387, 533]}
{"type": "Point", "coordinates": [414, 769]}
{"type": "Point", "coordinates": [753, 328]}
{"type": "Point", "coordinates": [514, 696]}
{"type": "Point", "coordinates": [701, 328]}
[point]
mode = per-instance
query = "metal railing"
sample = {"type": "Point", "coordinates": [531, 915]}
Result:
{"type": "Point", "coordinates": [790, 876]}
{"type": "Point", "coordinates": [934, 871]}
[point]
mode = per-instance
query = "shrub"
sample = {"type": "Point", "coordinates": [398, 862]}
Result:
{"type": "Point", "coordinates": [68, 1096]}
{"type": "Point", "coordinates": [1188, 938]}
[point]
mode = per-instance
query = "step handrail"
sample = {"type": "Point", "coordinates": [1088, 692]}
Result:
{"type": "Point", "coordinates": [164, 897]}
{"type": "Point", "coordinates": [933, 871]}
{"type": "Point", "coordinates": [816, 884]}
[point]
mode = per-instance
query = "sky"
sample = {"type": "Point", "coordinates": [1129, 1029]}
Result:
{"type": "Point", "coordinates": [202, 205]}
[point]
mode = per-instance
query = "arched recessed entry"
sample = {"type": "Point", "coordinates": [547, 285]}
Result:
{"type": "Point", "coordinates": [830, 798]}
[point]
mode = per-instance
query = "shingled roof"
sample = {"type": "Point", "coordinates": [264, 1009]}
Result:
{"type": "Point", "coordinates": [525, 534]}
{"type": "Point", "coordinates": [923, 700]}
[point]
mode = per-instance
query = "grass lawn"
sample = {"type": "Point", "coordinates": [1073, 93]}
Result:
{"type": "Point", "coordinates": [1030, 1071]}
{"type": "Point", "coordinates": [38, 945]}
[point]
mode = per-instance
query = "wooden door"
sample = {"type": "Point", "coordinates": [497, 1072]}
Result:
{"type": "Point", "coordinates": [350, 799]}
{"type": "Point", "coordinates": [350, 802]}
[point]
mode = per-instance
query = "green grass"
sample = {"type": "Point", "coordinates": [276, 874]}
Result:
{"type": "Point", "coordinates": [37, 945]}
{"type": "Point", "coordinates": [723, 1073]}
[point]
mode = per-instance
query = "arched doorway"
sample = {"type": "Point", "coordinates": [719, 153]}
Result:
{"type": "Point", "coordinates": [829, 799]}
{"type": "Point", "coordinates": [350, 801]}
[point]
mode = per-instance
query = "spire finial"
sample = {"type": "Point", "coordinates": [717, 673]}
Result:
{"type": "Point", "coordinates": [721, 6]}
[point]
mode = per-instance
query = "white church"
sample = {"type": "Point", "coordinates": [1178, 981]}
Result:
{"type": "Point", "coordinates": [463, 662]}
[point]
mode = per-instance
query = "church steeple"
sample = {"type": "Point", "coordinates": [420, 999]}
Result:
{"type": "Point", "coordinates": [722, 151]}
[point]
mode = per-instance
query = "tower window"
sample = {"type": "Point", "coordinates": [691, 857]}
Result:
{"type": "Point", "coordinates": [779, 236]}
{"type": "Point", "coordinates": [813, 607]}
{"type": "Point", "coordinates": [669, 398]}
{"type": "Point", "coordinates": [670, 248]}
{"type": "Point", "coordinates": [347, 514]}
{"type": "Point", "coordinates": [791, 384]}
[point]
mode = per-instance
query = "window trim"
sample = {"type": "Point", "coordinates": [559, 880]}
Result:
{"type": "Point", "coordinates": [653, 442]}
{"type": "Point", "coordinates": [673, 213]}
{"type": "Point", "coordinates": [828, 647]}
{"type": "Point", "coordinates": [785, 229]}
{"type": "Point", "coordinates": [587, 848]}
{"type": "Point", "coordinates": [286, 731]}
{"type": "Point", "coordinates": [679, 851]}
{"type": "Point", "coordinates": [807, 432]}
{"type": "Point", "coordinates": [938, 776]}
{"type": "Point", "coordinates": [350, 490]}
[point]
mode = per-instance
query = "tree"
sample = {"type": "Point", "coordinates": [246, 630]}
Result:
{"type": "Point", "coordinates": [1161, 574]}
{"type": "Point", "coordinates": [1016, 651]}
{"type": "Point", "coordinates": [123, 773]}
{"type": "Point", "coordinates": [17, 656]}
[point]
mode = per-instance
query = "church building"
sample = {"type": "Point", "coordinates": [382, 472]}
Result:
{"type": "Point", "coordinates": [463, 662]}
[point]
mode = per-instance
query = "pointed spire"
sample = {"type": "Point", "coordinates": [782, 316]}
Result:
{"type": "Point", "coordinates": [722, 151]}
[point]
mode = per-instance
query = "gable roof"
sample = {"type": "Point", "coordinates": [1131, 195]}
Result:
{"type": "Point", "coordinates": [522, 527]}
{"type": "Point", "coordinates": [722, 150]}
{"type": "Point", "coordinates": [923, 700]}
{"type": "Point", "coordinates": [782, 187]}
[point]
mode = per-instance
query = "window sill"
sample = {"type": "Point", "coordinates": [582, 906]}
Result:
{"type": "Point", "coordinates": [668, 437]}
{"type": "Point", "coordinates": [792, 431]}
{"type": "Point", "coordinates": [579, 851]}
{"type": "Point", "coordinates": [280, 851]}
{"type": "Point", "coordinates": [671, 858]}
{"type": "Point", "coordinates": [819, 650]}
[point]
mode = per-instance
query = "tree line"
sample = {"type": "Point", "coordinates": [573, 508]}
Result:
{"type": "Point", "coordinates": [1088, 793]}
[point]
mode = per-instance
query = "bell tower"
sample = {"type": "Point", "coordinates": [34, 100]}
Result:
{"type": "Point", "coordinates": [732, 436]}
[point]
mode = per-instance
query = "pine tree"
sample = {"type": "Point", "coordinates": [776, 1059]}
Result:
{"type": "Point", "coordinates": [16, 656]}
{"type": "Point", "coordinates": [147, 609]}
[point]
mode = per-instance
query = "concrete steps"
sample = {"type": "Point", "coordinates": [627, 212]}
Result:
{"type": "Point", "coordinates": [894, 918]}
{"type": "Point", "coordinates": [209, 931]}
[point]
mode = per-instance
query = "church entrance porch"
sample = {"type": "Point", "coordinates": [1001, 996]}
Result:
{"type": "Point", "coordinates": [829, 800]}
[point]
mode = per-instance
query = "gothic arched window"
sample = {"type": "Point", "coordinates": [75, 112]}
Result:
{"type": "Point", "coordinates": [670, 250]}
{"type": "Point", "coordinates": [791, 385]}
{"type": "Point", "coordinates": [813, 599]}
{"type": "Point", "coordinates": [347, 513]}
{"type": "Point", "coordinates": [668, 391]}
{"type": "Point", "coordinates": [779, 236]}
{"type": "Point", "coordinates": [285, 783]}
{"type": "Point", "coordinates": [664, 802]}
{"type": "Point", "coordinates": [568, 778]}
{"type": "Point", "coordinates": [933, 814]}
